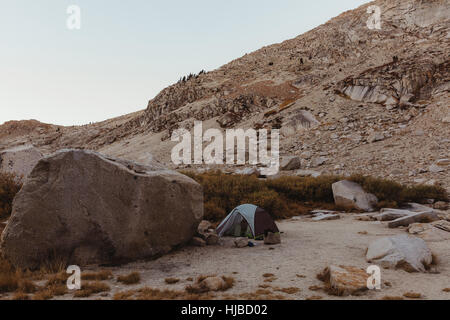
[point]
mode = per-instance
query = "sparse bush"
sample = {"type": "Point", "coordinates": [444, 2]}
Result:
{"type": "Point", "coordinates": [91, 288]}
{"type": "Point", "coordinates": [289, 196]}
{"type": "Point", "coordinates": [171, 280]}
{"type": "Point", "coordinates": [99, 276]}
{"type": "Point", "coordinates": [130, 279]}
{"type": "Point", "coordinates": [8, 190]}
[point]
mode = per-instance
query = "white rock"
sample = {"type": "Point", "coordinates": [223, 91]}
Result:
{"type": "Point", "coordinates": [406, 252]}
{"type": "Point", "coordinates": [351, 195]}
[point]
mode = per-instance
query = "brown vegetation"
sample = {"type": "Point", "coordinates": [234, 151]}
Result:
{"type": "Point", "coordinates": [8, 190]}
{"type": "Point", "coordinates": [412, 295]}
{"type": "Point", "coordinates": [130, 279]}
{"type": "Point", "coordinates": [289, 196]}
{"type": "Point", "coordinates": [99, 276]}
{"type": "Point", "coordinates": [171, 280]}
{"type": "Point", "coordinates": [90, 288]}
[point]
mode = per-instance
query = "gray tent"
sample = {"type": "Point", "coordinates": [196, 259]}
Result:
{"type": "Point", "coordinates": [247, 220]}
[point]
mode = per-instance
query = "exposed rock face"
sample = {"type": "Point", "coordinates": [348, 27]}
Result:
{"type": "Point", "coordinates": [426, 216]}
{"type": "Point", "coordinates": [344, 280]}
{"type": "Point", "coordinates": [93, 209]}
{"type": "Point", "coordinates": [19, 161]}
{"type": "Point", "coordinates": [350, 194]}
{"type": "Point", "coordinates": [406, 252]}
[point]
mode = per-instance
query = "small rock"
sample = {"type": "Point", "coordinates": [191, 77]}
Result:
{"type": "Point", "coordinates": [436, 169]}
{"type": "Point", "coordinates": [308, 173]}
{"type": "Point", "coordinates": [290, 163]}
{"type": "Point", "coordinates": [326, 217]}
{"type": "Point", "coordinates": [317, 162]}
{"type": "Point", "coordinates": [204, 226]}
{"type": "Point", "coordinates": [440, 205]}
{"type": "Point", "coordinates": [198, 242]}
{"type": "Point", "coordinates": [272, 238]}
{"type": "Point", "coordinates": [212, 239]}
{"type": "Point", "coordinates": [241, 242]}
{"type": "Point", "coordinates": [375, 137]}
{"type": "Point", "coordinates": [212, 283]}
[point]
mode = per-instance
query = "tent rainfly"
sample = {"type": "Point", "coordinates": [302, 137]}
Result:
{"type": "Point", "coordinates": [247, 220]}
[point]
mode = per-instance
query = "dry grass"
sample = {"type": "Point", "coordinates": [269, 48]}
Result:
{"type": "Point", "coordinates": [132, 278]}
{"type": "Point", "coordinates": [314, 298]}
{"type": "Point", "coordinates": [412, 295]}
{"type": "Point", "coordinates": [291, 290]}
{"type": "Point", "coordinates": [392, 298]}
{"type": "Point", "coordinates": [20, 296]}
{"type": "Point", "coordinates": [97, 276]}
{"type": "Point", "coordinates": [200, 287]}
{"type": "Point", "coordinates": [27, 286]}
{"type": "Point", "coordinates": [158, 294]}
{"type": "Point", "coordinates": [91, 288]}
{"type": "Point", "coordinates": [171, 280]}
{"type": "Point", "coordinates": [289, 196]}
{"type": "Point", "coordinates": [268, 275]}
{"type": "Point", "coordinates": [315, 288]}
{"type": "Point", "coordinates": [8, 190]}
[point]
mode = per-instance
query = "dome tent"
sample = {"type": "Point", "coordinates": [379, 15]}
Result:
{"type": "Point", "coordinates": [256, 219]}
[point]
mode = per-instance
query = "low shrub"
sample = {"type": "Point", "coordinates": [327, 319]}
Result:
{"type": "Point", "coordinates": [8, 190]}
{"type": "Point", "coordinates": [289, 196]}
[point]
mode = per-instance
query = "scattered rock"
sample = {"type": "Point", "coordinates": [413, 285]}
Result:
{"type": "Point", "coordinates": [213, 283]}
{"type": "Point", "coordinates": [92, 209]}
{"type": "Point", "coordinates": [317, 162]}
{"type": "Point", "coordinates": [426, 216]}
{"type": "Point", "coordinates": [344, 280]}
{"type": "Point", "coordinates": [440, 205]}
{"type": "Point", "coordinates": [241, 242]}
{"type": "Point", "coordinates": [405, 252]}
{"type": "Point", "coordinates": [326, 217]}
{"type": "Point", "coordinates": [375, 137]}
{"type": "Point", "coordinates": [436, 169]}
{"type": "Point", "coordinates": [392, 214]}
{"type": "Point", "coordinates": [272, 238]}
{"type": "Point", "coordinates": [308, 173]}
{"type": "Point", "coordinates": [212, 239]}
{"type": "Point", "coordinates": [204, 226]}
{"type": "Point", "coordinates": [349, 194]}
{"type": "Point", "coordinates": [290, 163]}
{"type": "Point", "coordinates": [198, 242]}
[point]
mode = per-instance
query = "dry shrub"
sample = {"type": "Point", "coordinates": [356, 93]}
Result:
{"type": "Point", "coordinates": [20, 296]}
{"type": "Point", "coordinates": [158, 294]}
{"type": "Point", "coordinates": [392, 298]}
{"type": "Point", "coordinates": [43, 295]}
{"type": "Point", "coordinates": [289, 196]}
{"type": "Point", "coordinates": [26, 286]}
{"type": "Point", "coordinates": [314, 298]}
{"type": "Point", "coordinates": [9, 282]}
{"type": "Point", "coordinates": [8, 190]}
{"type": "Point", "coordinates": [98, 276]}
{"type": "Point", "coordinates": [268, 275]}
{"type": "Point", "coordinates": [412, 295]}
{"type": "Point", "coordinates": [446, 290]}
{"type": "Point", "coordinates": [200, 288]}
{"type": "Point", "coordinates": [130, 279]}
{"type": "Point", "coordinates": [90, 288]}
{"type": "Point", "coordinates": [315, 288]}
{"type": "Point", "coordinates": [171, 280]}
{"type": "Point", "coordinates": [291, 290]}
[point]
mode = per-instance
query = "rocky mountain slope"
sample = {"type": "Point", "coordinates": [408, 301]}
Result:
{"type": "Point", "coordinates": [346, 98]}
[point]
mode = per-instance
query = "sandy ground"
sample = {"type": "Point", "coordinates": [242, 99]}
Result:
{"type": "Point", "coordinates": [307, 247]}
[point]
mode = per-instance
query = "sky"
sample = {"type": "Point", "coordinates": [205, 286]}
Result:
{"type": "Point", "coordinates": [126, 52]}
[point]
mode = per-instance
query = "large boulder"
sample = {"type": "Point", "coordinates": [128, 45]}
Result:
{"type": "Point", "coordinates": [406, 252]}
{"type": "Point", "coordinates": [20, 160]}
{"type": "Point", "coordinates": [92, 209]}
{"type": "Point", "coordinates": [349, 194]}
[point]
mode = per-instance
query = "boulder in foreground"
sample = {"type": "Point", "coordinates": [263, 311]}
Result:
{"type": "Point", "coordinates": [400, 252]}
{"type": "Point", "coordinates": [91, 209]}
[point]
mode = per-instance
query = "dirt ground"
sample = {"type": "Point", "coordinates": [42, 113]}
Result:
{"type": "Point", "coordinates": [307, 248]}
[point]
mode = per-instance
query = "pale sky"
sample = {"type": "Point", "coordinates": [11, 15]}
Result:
{"type": "Point", "coordinates": [128, 51]}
